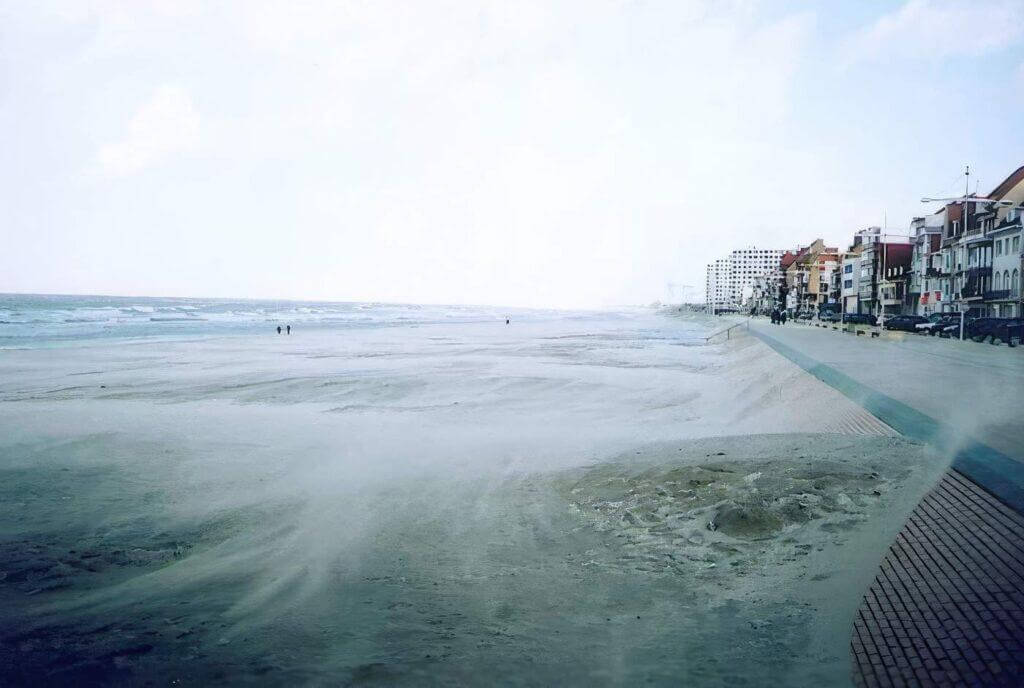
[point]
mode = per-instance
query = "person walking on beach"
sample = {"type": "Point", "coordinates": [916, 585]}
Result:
{"type": "Point", "coordinates": [783, 317]}
{"type": "Point", "coordinates": [279, 329]}
{"type": "Point", "coordinates": [508, 320]}
{"type": "Point", "coordinates": [289, 329]}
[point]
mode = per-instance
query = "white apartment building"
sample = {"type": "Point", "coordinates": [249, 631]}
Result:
{"type": "Point", "coordinates": [748, 263]}
{"type": "Point", "coordinates": [731, 280]}
{"type": "Point", "coordinates": [716, 287]}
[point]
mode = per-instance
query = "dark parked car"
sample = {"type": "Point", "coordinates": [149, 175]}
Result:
{"type": "Point", "coordinates": [981, 328]}
{"type": "Point", "coordinates": [829, 316]}
{"type": "Point", "coordinates": [974, 328]}
{"type": "Point", "coordinates": [1009, 330]}
{"type": "Point", "coordinates": [936, 321]}
{"type": "Point", "coordinates": [1001, 329]}
{"type": "Point", "coordinates": [904, 323]}
{"type": "Point", "coordinates": [859, 319]}
{"type": "Point", "coordinates": [953, 328]}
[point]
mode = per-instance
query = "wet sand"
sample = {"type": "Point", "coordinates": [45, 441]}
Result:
{"type": "Point", "coordinates": [439, 505]}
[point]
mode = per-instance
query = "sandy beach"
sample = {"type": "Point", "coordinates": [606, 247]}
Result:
{"type": "Point", "coordinates": [599, 500]}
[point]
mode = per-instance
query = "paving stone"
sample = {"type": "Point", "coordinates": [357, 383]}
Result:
{"type": "Point", "coordinates": [947, 605]}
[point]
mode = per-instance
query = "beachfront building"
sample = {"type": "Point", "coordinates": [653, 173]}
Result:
{"type": "Point", "coordinates": [1006, 268]}
{"type": "Point", "coordinates": [764, 293]}
{"type": "Point", "coordinates": [977, 249]}
{"type": "Point", "coordinates": [894, 286]}
{"type": "Point", "coordinates": [808, 276]}
{"type": "Point", "coordinates": [849, 278]}
{"type": "Point", "coordinates": [924, 293]}
{"type": "Point", "coordinates": [747, 264]}
{"type": "Point", "coordinates": [879, 253]}
{"type": "Point", "coordinates": [1002, 225]}
{"type": "Point", "coordinates": [717, 284]}
{"type": "Point", "coordinates": [731, 280]}
{"type": "Point", "coordinates": [827, 268]}
{"type": "Point", "coordinates": [953, 257]}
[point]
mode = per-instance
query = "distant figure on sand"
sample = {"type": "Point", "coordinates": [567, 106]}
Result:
{"type": "Point", "coordinates": [279, 329]}
{"type": "Point", "coordinates": [289, 329]}
{"type": "Point", "coordinates": [507, 321]}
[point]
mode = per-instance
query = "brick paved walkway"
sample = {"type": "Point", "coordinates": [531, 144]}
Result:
{"type": "Point", "coordinates": [947, 606]}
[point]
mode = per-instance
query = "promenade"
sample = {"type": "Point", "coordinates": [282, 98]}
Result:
{"type": "Point", "coordinates": [947, 605]}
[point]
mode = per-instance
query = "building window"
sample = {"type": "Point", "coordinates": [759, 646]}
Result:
{"type": "Point", "coordinates": [1016, 244]}
{"type": "Point", "coordinates": [999, 281]}
{"type": "Point", "coordinates": [1015, 282]}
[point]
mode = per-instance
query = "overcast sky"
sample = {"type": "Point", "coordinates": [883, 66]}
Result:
{"type": "Point", "coordinates": [520, 153]}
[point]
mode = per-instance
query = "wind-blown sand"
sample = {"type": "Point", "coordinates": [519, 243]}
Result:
{"type": "Point", "coordinates": [570, 502]}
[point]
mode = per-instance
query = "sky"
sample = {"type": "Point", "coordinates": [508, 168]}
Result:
{"type": "Point", "coordinates": [547, 154]}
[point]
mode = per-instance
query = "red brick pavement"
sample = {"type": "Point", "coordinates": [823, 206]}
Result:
{"type": "Point", "coordinates": [947, 605]}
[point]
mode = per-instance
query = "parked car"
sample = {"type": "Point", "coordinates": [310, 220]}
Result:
{"type": "Point", "coordinates": [974, 328]}
{"type": "Point", "coordinates": [936, 321]}
{"type": "Point", "coordinates": [829, 316]}
{"type": "Point", "coordinates": [980, 328]}
{"type": "Point", "coordinates": [936, 326]}
{"type": "Point", "coordinates": [1007, 330]}
{"type": "Point", "coordinates": [904, 323]}
{"type": "Point", "coordinates": [809, 315]}
{"type": "Point", "coordinates": [953, 328]}
{"type": "Point", "coordinates": [930, 321]}
{"type": "Point", "coordinates": [859, 319]}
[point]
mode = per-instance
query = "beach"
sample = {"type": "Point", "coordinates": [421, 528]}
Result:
{"type": "Point", "coordinates": [595, 498]}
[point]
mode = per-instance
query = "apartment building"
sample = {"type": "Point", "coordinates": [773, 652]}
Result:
{"type": "Point", "coordinates": [730, 281]}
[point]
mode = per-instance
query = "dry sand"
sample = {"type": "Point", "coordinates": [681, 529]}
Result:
{"type": "Point", "coordinates": [570, 503]}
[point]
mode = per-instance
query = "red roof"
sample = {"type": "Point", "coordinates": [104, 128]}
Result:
{"type": "Point", "coordinates": [1013, 180]}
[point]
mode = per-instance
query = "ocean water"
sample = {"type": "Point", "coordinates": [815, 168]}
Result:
{"type": "Point", "coordinates": [34, 320]}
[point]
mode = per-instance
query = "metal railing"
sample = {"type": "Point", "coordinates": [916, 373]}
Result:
{"type": "Point", "coordinates": [727, 331]}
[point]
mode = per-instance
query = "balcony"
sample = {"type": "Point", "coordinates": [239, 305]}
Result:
{"type": "Point", "coordinates": [996, 295]}
{"type": "Point", "coordinates": [973, 291]}
{"type": "Point", "coordinates": [972, 273]}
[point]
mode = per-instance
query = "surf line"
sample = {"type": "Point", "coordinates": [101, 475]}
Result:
{"type": "Point", "coordinates": [980, 463]}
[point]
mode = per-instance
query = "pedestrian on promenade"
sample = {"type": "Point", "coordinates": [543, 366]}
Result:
{"type": "Point", "coordinates": [289, 329]}
{"type": "Point", "coordinates": [783, 317]}
{"type": "Point", "coordinates": [279, 329]}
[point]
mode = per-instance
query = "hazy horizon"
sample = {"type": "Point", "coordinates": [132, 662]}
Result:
{"type": "Point", "coordinates": [201, 297]}
{"type": "Point", "coordinates": [561, 155]}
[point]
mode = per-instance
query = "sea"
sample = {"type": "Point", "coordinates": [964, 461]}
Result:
{"type": "Point", "coordinates": [47, 320]}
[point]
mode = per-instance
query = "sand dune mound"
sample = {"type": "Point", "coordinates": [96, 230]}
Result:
{"type": "Point", "coordinates": [777, 500]}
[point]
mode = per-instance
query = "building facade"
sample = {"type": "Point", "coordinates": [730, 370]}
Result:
{"type": "Point", "coordinates": [966, 257]}
{"type": "Point", "coordinates": [924, 292]}
{"type": "Point", "coordinates": [731, 281]}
